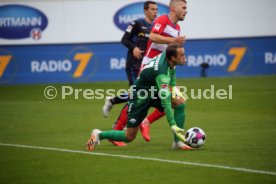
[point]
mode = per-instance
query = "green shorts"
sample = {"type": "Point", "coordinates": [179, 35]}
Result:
{"type": "Point", "coordinates": [138, 109]}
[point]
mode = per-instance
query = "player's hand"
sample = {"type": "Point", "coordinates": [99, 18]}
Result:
{"type": "Point", "coordinates": [180, 39]}
{"type": "Point", "coordinates": [179, 132]}
{"type": "Point", "coordinates": [137, 53]}
{"type": "Point", "coordinates": [177, 94]}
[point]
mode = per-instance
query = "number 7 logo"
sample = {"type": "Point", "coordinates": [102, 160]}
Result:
{"type": "Point", "coordinates": [4, 61]}
{"type": "Point", "coordinates": [238, 52]}
{"type": "Point", "coordinates": [83, 58]}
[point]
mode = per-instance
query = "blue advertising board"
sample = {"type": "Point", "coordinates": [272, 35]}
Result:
{"type": "Point", "coordinates": [21, 21]}
{"type": "Point", "coordinates": [33, 64]}
{"type": "Point", "coordinates": [125, 15]}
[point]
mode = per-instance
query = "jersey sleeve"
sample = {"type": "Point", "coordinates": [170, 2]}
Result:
{"type": "Point", "coordinates": [173, 78]}
{"type": "Point", "coordinates": [163, 82]}
{"type": "Point", "coordinates": [130, 32]}
{"type": "Point", "coordinates": [159, 25]}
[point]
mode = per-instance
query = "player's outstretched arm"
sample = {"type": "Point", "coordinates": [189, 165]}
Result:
{"type": "Point", "coordinates": [157, 38]}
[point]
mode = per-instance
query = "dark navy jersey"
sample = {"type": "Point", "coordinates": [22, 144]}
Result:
{"type": "Point", "coordinates": [136, 35]}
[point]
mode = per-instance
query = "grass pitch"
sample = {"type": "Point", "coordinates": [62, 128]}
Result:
{"type": "Point", "coordinates": [241, 133]}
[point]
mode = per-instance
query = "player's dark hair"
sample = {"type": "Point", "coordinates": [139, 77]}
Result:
{"type": "Point", "coordinates": [172, 50]}
{"type": "Point", "coordinates": [147, 3]}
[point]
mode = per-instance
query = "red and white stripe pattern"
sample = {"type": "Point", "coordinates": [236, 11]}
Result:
{"type": "Point", "coordinates": [164, 27]}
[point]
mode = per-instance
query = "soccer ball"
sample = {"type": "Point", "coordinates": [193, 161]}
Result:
{"type": "Point", "coordinates": [195, 137]}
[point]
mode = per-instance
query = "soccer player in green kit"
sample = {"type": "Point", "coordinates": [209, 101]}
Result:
{"type": "Point", "coordinates": [151, 89]}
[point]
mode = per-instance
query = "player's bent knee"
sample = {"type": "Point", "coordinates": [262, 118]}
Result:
{"type": "Point", "coordinates": [177, 101]}
{"type": "Point", "coordinates": [130, 137]}
{"type": "Point", "coordinates": [131, 133]}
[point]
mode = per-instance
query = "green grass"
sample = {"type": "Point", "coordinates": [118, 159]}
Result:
{"type": "Point", "coordinates": [241, 133]}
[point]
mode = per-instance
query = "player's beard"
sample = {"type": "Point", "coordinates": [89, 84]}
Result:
{"type": "Point", "coordinates": [181, 18]}
{"type": "Point", "coordinates": [153, 17]}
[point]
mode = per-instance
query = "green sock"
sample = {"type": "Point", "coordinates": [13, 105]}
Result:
{"type": "Point", "coordinates": [179, 116]}
{"type": "Point", "coordinates": [114, 135]}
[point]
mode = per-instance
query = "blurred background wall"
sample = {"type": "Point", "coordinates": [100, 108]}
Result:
{"type": "Point", "coordinates": [47, 41]}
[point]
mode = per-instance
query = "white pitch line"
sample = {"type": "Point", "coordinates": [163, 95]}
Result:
{"type": "Point", "coordinates": [144, 158]}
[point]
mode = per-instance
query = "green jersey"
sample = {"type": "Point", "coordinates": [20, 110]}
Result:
{"type": "Point", "coordinates": [158, 74]}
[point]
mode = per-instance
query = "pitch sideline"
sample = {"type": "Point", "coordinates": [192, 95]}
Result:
{"type": "Point", "coordinates": [143, 158]}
